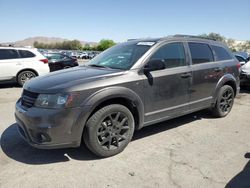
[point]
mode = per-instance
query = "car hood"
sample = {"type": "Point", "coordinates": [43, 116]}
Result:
{"type": "Point", "coordinates": [65, 80]}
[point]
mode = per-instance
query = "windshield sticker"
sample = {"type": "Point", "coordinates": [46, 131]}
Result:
{"type": "Point", "coordinates": [146, 43]}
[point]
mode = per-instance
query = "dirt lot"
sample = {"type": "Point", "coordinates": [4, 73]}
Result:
{"type": "Point", "coordinates": [192, 151]}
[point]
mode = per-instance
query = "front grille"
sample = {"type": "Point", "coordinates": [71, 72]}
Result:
{"type": "Point", "coordinates": [28, 99]}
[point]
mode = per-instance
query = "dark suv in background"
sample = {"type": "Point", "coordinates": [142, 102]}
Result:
{"type": "Point", "coordinates": [58, 61]}
{"type": "Point", "coordinates": [127, 87]}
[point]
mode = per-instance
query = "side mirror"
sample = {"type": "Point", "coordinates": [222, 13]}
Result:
{"type": "Point", "coordinates": [154, 64]}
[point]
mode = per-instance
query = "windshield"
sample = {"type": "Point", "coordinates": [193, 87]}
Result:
{"type": "Point", "coordinates": [122, 56]}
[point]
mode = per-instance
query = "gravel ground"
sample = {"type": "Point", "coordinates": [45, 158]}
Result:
{"type": "Point", "coordinates": [192, 151]}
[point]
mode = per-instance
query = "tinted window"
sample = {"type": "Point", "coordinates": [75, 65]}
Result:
{"type": "Point", "coordinates": [26, 54]}
{"type": "Point", "coordinates": [56, 57]}
{"type": "Point", "coordinates": [240, 59]}
{"type": "Point", "coordinates": [172, 54]}
{"type": "Point", "coordinates": [200, 53]}
{"type": "Point", "coordinates": [221, 53]}
{"type": "Point", "coordinates": [8, 54]}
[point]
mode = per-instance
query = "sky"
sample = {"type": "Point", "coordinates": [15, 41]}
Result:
{"type": "Point", "coordinates": [93, 20]}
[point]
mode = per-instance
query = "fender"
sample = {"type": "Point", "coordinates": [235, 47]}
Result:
{"type": "Point", "coordinates": [115, 92]}
{"type": "Point", "coordinates": [221, 82]}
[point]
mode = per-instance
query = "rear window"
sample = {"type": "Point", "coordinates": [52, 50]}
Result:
{"type": "Point", "coordinates": [240, 59]}
{"type": "Point", "coordinates": [200, 53]}
{"type": "Point", "coordinates": [8, 54]}
{"type": "Point", "coordinates": [56, 57]}
{"type": "Point", "coordinates": [26, 54]}
{"type": "Point", "coordinates": [221, 53]}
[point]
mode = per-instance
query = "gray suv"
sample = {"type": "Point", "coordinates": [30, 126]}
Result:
{"type": "Point", "coordinates": [125, 88]}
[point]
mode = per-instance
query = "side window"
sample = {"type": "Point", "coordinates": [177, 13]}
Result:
{"type": "Point", "coordinates": [56, 57]}
{"type": "Point", "coordinates": [8, 54]}
{"type": "Point", "coordinates": [26, 54]}
{"type": "Point", "coordinates": [200, 53]}
{"type": "Point", "coordinates": [172, 54]}
{"type": "Point", "coordinates": [48, 56]}
{"type": "Point", "coordinates": [221, 53]}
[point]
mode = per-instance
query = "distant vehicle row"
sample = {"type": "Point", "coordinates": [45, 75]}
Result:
{"type": "Point", "coordinates": [81, 55]}
{"type": "Point", "coordinates": [73, 54]}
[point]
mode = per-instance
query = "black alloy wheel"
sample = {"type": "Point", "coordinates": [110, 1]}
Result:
{"type": "Point", "coordinates": [224, 101]}
{"type": "Point", "coordinates": [109, 130]}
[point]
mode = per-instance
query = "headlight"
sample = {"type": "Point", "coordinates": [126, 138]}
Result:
{"type": "Point", "coordinates": [52, 100]}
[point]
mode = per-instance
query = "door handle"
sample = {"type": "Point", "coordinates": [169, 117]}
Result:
{"type": "Point", "coordinates": [186, 75]}
{"type": "Point", "coordinates": [217, 69]}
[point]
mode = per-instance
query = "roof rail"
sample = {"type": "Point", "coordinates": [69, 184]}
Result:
{"type": "Point", "coordinates": [193, 36]}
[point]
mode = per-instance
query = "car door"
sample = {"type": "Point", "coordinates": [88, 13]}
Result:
{"type": "Point", "coordinates": [166, 91]}
{"type": "Point", "coordinates": [206, 73]}
{"type": "Point", "coordinates": [10, 64]}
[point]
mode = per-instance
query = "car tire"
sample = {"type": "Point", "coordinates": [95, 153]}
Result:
{"type": "Point", "coordinates": [24, 76]}
{"type": "Point", "coordinates": [109, 130]}
{"type": "Point", "coordinates": [224, 102]}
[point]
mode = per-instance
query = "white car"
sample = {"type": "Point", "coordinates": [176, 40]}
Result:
{"type": "Point", "coordinates": [245, 74]}
{"type": "Point", "coordinates": [21, 64]}
{"type": "Point", "coordinates": [84, 55]}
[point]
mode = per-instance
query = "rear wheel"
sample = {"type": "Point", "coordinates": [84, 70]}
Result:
{"type": "Point", "coordinates": [24, 76]}
{"type": "Point", "coordinates": [109, 130]}
{"type": "Point", "coordinates": [224, 101]}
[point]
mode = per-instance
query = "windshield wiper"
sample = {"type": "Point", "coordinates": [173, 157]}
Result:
{"type": "Point", "coordinates": [96, 65]}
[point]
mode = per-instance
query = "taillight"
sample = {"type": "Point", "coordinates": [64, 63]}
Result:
{"type": "Point", "coordinates": [239, 66]}
{"type": "Point", "coordinates": [44, 60]}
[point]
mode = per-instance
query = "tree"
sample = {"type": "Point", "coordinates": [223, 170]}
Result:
{"type": "Point", "coordinates": [231, 44]}
{"type": "Point", "coordinates": [215, 36]}
{"type": "Point", "coordinates": [86, 47]}
{"type": "Point", "coordinates": [65, 45]}
{"type": "Point", "coordinates": [105, 44]}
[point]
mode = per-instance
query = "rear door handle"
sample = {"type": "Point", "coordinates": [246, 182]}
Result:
{"type": "Point", "coordinates": [217, 69]}
{"type": "Point", "coordinates": [186, 75]}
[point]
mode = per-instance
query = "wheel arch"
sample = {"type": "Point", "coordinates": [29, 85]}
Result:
{"type": "Point", "coordinates": [27, 69]}
{"type": "Point", "coordinates": [117, 95]}
{"type": "Point", "coordinates": [227, 79]}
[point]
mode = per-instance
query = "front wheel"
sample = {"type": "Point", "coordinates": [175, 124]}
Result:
{"type": "Point", "coordinates": [224, 102]}
{"type": "Point", "coordinates": [109, 130]}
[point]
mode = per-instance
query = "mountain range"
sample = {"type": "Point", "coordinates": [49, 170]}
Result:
{"type": "Point", "coordinates": [47, 40]}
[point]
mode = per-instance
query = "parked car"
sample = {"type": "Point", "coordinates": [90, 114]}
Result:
{"type": "Point", "coordinates": [125, 88]}
{"type": "Point", "coordinates": [244, 60]}
{"type": "Point", "coordinates": [245, 74]}
{"type": "Point", "coordinates": [21, 64]}
{"type": "Point", "coordinates": [93, 54]}
{"type": "Point", "coordinates": [84, 55]}
{"type": "Point", "coordinates": [241, 59]}
{"type": "Point", "coordinates": [58, 61]}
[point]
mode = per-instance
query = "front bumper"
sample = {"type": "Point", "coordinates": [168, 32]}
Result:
{"type": "Point", "coordinates": [244, 78]}
{"type": "Point", "coordinates": [49, 128]}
